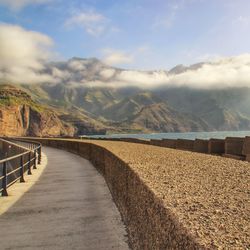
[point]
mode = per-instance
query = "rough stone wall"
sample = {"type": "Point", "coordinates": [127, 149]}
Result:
{"type": "Point", "coordinates": [169, 143]}
{"type": "Point", "coordinates": [151, 220]}
{"type": "Point", "coordinates": [216, 146]}
{"type": "Point", "coordinates": [246, 146]}
{"type": "Point", "coordinates": [150, 225]}
{"type": "Point", "coordinates": [234, 145]}
{"type": "Point", "coordinates": [134, 140]}
{"type": "Point", "coordinates": [231, 147]}
{"type": "Point", "coordinates": [156, 143]}
{"type": "Point", "coordinates": [183, 144]}
{"type": "Point", "coordinates": [201, 146]}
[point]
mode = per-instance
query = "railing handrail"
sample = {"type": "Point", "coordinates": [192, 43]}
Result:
{"type": "Point", "coordinates": [23, 140]}
{"type": "Point", "coordinates": [20, 139]}
{"type": "Point", "coordinates": [25, 162]}
{"type": "Point", "coordinates": [14, 144]}
{"type": "Point", "coordinates": [14, 156]}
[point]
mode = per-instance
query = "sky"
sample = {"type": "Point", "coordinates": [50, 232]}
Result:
{"type": "Point", "coordinates": [134, 34]}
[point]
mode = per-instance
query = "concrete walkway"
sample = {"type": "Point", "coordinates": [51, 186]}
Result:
{"type": "Point", "coordinates": [70, 207]}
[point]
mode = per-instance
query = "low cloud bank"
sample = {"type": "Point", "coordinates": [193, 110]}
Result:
{"type": "Point", "coordinates": [25, 54]}
{"type": "Point", "coordinates": [223, 73]}
{"type": "Point", "coordinates": [227, 72]}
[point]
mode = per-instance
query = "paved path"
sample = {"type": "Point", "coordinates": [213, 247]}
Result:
{"type": "Point", "coordinates": [70, 207]}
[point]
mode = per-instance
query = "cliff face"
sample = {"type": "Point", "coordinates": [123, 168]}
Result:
{"type": "Point", "coordinates": [20, 116]}
{"type": "Point", "coordinates": [14, 120]}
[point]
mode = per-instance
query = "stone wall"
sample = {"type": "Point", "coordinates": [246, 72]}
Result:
{"type": "Point", "coordinates": [151, 218]}
{"type": "Point", "coordinates": [216, 146]}
{"type": "Point", "coordinates": [234, 147]}
{"type": "Point", "coordinates": [184, 144]}
{"type": "Point", "coordinates": [246, 148]}
{"type": "Point", "coordinates": [201, 146]}
{"type": "Point", "coordinates": [168, 143]}
{"type": "Point", "coordinates": [150, 225]}
{"type": "Point", "coordinates": [231, 147]}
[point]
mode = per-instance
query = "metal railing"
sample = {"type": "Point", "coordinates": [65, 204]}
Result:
{"type": "Point", "coordinates": [17, 158]}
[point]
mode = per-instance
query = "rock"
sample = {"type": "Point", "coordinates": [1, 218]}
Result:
{"type": "Point", "coordinates": [21, 116]}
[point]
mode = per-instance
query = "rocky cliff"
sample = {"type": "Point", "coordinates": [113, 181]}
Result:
{"type": "Point", "coordinates": [21, 116]}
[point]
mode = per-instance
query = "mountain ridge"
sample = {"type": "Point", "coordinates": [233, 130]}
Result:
{"type": "Point", "coordinates": [90, 108]}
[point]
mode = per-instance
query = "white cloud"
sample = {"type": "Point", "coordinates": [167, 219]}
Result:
{"type": "Point", "coordinates": [227, 72]}
{"type": "Point", "coordinates": [60, 75]}
{"type": "Point", "coordinates": [23, 54]}
{"type": "Point", "coordinates": [19, 4]}
{"type": "Point", "coordinates": [107, 73]}
{"type": "Point", "coordinates": [76, 65]}
{"type": "Point", "coordinates": [93, 23]}
{"type": "Point", "coordinates": [223, 73]}
{"type": "Point", "coordinates": [117, 57]}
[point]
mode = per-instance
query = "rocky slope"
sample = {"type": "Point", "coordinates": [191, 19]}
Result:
{"type": "Point", "coordinates": [159, 117]}
{"type": "Point", "coordinates": [20, 116]}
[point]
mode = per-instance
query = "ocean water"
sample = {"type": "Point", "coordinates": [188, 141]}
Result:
{"type": "Point", "coordinates": [189, 135]}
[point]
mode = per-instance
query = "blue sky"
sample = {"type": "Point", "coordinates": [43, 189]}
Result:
{"type": "Point", "coordinates": [141, 34]}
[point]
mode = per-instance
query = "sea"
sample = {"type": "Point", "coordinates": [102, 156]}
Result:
{"type": "Point", "coordinates": [188, 135]}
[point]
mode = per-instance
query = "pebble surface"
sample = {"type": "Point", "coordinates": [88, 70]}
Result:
{"type": "Point", "coordinates": [210, 195]}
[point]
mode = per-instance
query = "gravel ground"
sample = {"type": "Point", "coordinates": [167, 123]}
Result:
{"type": "Point", "coordinates": [208, 194]}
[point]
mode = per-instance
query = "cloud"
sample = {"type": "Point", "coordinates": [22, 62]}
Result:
{"type": "Point", "coordinates": [23, 54]}
{"type": "Point", "coordinates": [107, 73]}
{"type": "Point", "coordinates": [75, 65]}
{"type": "Point", "coordinates": [226, 72]}
{"type": "Point", "coordinates": [117, 57]}
{"type": "Point", "coordinates": [93, 23]}
{"type": "Point", "coordinates": [223, 73]}
{"type": "Point", "coordinates": [19, 4]}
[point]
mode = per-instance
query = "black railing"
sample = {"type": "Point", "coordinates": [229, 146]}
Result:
{"type": "Point", "coordinates": [17, 158]}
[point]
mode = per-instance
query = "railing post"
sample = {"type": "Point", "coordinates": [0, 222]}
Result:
{"type": "Point", "coordinates": [21, 170]}
{"type": "Point", "coordinates": [39, 155]}
{"type": "Point", "coordinates": [29, 164]}
{"type": "Point", "coordinates": [4, 182]}
{"type": "Point", "coordinates": [35, 160]}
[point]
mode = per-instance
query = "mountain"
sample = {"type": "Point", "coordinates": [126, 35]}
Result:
{"type": "Point", "coordinates": [21, 116]}
{"type": "Point", "coordinates": [222, 109]}
{"type": "Point", "coordinates": [129, 106]}
{"type": "Point", "coordinates": [91, 97]}
{"type": "Point", "coordinates": [160, 117]}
